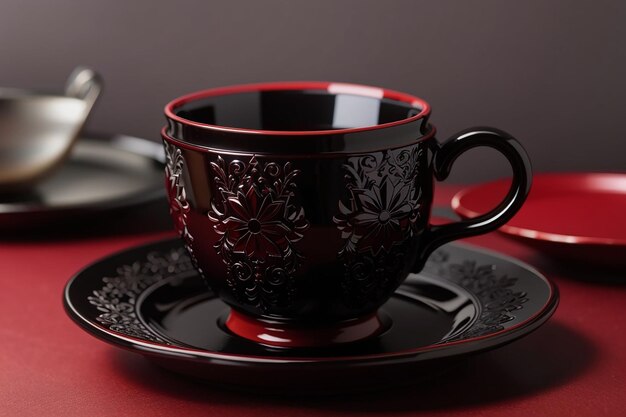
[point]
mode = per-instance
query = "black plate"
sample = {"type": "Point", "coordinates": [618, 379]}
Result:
{"type": "Point", "coordinates": [150, 300]}
{"type": "Point", "coordinates": [101, 175]}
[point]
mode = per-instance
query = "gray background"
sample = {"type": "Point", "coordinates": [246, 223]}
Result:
{"type": "Point", "coordinates": [549, 72]}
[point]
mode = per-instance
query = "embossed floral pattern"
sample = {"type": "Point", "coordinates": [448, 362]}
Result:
{"type": "Point", "coordinates": [177, 196]}
{"type": "Point", "coordinates": [384, 200]}
{"type": "Point", "coordinates": [499, 301]}
{"type": "Point", "coordinates": [258, 225]}
{"type": "Point", "coordinates": [496, 293]}
{"type": "Point", "coordinates": [378, 220]}
{"type": "Point", "coordinates": [384, 215]}
{"type": "Point", "coordinates": [116, 299]}
{"type": "Point", "coordinates": [179, 206]}
{"type": "Point", "coordinates": [259, 221]}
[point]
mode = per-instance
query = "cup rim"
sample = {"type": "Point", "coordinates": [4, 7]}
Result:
{"type": "Point", "coordinates": [330, 87]}
{"type": "Point", "coordinates": [282, 152]}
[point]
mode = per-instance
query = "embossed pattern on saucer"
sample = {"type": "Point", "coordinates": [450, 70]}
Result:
{"type": "Point", "coordinates": [151, 300]}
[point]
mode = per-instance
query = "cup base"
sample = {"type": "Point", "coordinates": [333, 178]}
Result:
{"type": "Point", "coordinates": [275, 333]}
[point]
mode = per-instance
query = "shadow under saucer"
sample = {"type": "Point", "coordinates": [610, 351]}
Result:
{"type": "Point", "coordinates": [552, 356]}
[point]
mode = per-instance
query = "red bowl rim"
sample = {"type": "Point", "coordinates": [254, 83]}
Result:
{"type": "Point", "coordinates": [540, 235]}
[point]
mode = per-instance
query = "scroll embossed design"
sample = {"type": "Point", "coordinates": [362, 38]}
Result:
{"type": "Point", "coordinates": [497, 294]}
{"type": "Point", "coordinates": [116, 300]}
{"type": "Point", "coordinates": [179, 206]}
{"type": "Point", "coordinates": [258, 220]}
{"type": "Point", "coordinates": [378, 220]}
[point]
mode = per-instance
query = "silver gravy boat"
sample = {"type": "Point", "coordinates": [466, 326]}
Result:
{"type": "Point", "coordinates": [37, 131]}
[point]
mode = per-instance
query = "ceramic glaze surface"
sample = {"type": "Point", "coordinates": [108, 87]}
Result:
{"type": "Point", "coordinates": [151, 300]}
{"type": "Point", "coordinates": [576, 216]}
{"type": "Point", "coordinates": [264, 221]}
{"type": "Point", "coordinates": [310, 202]}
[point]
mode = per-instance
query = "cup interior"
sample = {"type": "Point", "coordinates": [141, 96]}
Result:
{"type": "Point", "coordinates": [293, 107]}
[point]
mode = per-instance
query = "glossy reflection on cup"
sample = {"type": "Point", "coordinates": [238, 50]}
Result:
{"type": "Point", "coordinates": [304, 205]}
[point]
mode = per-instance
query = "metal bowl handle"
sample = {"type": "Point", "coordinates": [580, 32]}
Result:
{"type": "Point", "coordinates": [84, 84]}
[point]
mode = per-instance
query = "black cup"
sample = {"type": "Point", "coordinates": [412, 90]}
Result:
{"type": "Point", "coordinates": [305, 205]}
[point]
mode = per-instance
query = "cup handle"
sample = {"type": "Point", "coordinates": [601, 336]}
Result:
{"type": "Point", "coordinates": [443, 159]}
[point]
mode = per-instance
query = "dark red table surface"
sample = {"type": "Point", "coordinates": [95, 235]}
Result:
{"type": "Point", "coordinates": [575, 365]}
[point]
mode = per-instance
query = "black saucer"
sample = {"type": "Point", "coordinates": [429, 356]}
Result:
{"type": "Point", "coordinates": [150, 300]}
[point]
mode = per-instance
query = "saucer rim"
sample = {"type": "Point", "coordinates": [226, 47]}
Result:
{"type": "Point", "coordinates": [428, 352]}
{"type": "Point", "coordinates": [533, 233]}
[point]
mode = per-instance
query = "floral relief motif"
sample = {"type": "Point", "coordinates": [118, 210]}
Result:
{"type": "Point", "coordinates": [175, 185]}
{"type": "Point", "coordinates": [497, 298]}
{"type": "Point", "coordinates": [116, 299]}
{"type": "Point", "coordinates": [258, 220]}
{"type": "Point", "coordinates": [496, 294]}
{"type": "Point", "coordinates": [179, 206]}
{"type": "Point", "coordinates": [378, 220]}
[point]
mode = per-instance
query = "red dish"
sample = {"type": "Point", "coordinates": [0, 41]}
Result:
{"type": "Point", "coordinates": [578, 216]}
